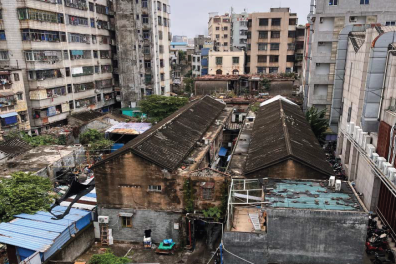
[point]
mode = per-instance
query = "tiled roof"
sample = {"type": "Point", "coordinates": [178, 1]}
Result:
{"type": "Point", "coordinates": [281, 132]}
{"type": "Point", "coordinates": [14, 147]}
{"type": "Point", "coordinates": [87, 116]}
{"type": "Point", "coordinates": [169, 142]}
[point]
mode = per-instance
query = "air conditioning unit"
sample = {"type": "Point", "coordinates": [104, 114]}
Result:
{"type": "Point", "coordinates": [103, 219]}
{"type": "Point", "coordinates": [366, 141]}
{"type": "Point", "coordinates": [370, 150]}
{"type": "Point", "coordinates": [321, 20]}
{"type": "Point", "coordinates": [392, 175]}
{"type": "Point", "coordinates": [374, 157]}
{"type": "Point", "coordinates": [385, 167]}
{"type": "Point", "coordinates": [332, 181]}
{"type": "Point", "coordinates": [351, 128]}
{"type": "Point", "coordinates": [380, 162]}
{"type": "Point", "coordinates": [361, 139]}
{"type": "Point", "coordinates": [358, 135]}
{"type": "Point", "coordinates": [355, 132]}
{"type": "Point", "coordinates": [352, 19]}
{"type": "Point", "coordinates": [347, 128]}
{"type": "Point", "coordinates": [338, 185]}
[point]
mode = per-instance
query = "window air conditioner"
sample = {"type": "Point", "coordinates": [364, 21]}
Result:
{"type": "Point", "coordinates": [351, 128]}
{"type": "Point", "coordinates": [370, 149]}
{"type": "Point", "coordinates": [380, 162]}
{"type": "Point", "coordinates": [374, 157]}
{"type": "Point", "coordinates": [385, 167]}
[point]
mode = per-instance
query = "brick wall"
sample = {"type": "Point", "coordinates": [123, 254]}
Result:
{"type": "Point", "coordinates": [383, 139]}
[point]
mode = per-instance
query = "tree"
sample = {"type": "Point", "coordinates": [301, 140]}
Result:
{"type": "Point", "coordinates": [24, 193]}
{"type": "Point", "coordinates": [108, 258]}
{"type": "Point", "coordinates": [95, 140]}
{"type": "Point", "coordinates": [36, 141]}
{"type": "Point", "coordinates": [266, 84]}
{"type": "Point", "coordinates": [319, 124]}
{"type": "Point", "coordinates": [188, 84]}
{"type": "Point", "coordinates": [157, 107]}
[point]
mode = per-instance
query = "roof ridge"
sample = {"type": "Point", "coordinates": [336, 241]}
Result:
{"type": "Point", "coordinates": [285, 129]}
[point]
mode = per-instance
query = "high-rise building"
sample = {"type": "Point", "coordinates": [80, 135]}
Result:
{"type": "Point", "coordinates": [271, 41]}
{"type": "Point", "coordinates": [239, 31]}
{"type": "Point", "coordinates": [60, 52]}
{"type": "Point", "coordinates": [327, 18]}
{"type": "Point", "coordinates": [143, 39]}
{"type": "Point", "coordinates": [219, 28]}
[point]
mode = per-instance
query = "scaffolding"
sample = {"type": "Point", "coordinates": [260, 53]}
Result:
{"type": "Point", "coordinates": [244, 192]}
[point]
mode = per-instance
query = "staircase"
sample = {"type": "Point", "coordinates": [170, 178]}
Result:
{"type": "Point", "coordinates": [255, 221]}
{"type": "Point", "coordinates": [391, 242]}
{"type": "Point", "coordinates": [104, 234]}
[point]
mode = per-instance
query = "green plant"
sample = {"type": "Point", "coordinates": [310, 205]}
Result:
{"type": "Point", "coordinates": [255, 107]}
{"type": "Point", "coordinates": [319, 124]}
{"type": "Point", "coordinates": [95, 140]}
{"type": "Point", "coordinates": [182, 55]}
{"type": "Point", "coordinates": [108, 258]}
{"type": "Point", "coordinates": [188, 84]}
{"type": "Point", "coordinates": [24, 193]}
{"type": "Point", "coordinates": [188, 74]}
{"type": "Point", "coordinates": [213, 212]}
{"type": "Point", "coordinates": [157, 107]}
{"type": "Point", "coordinates": [266, 84]}
{"type": "Point", "coordinates": [188, 195]}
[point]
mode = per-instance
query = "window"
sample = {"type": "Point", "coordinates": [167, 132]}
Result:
{"type": "Point", "coordinates": [263, 22]}
{"type": "Point", "coordinates": [262, 46]}
{"type": "Point", "coordinates": [67, 72]}
{"type": "Point", "coordinates": [274, 58]}
{"type": "Point", "coordinates": [274, 46]}
{"type": "Point", "coordinates": [217, 28]}
{"type": "Point", "coordinates": [4, 55]}
{"type": "Point", "coordinates": [101, 9]}
{"type": "Point", "coordinates": [247, 58]}
{"type": "Point", "coordinates": [207, 191]}
{"type": "Point", "coordinates": [105, 69]}
{"type": "Point", "coordinates": [16, 77]}
{"type": "Point", "coordinates": [164, 7]}
{"type": "Point", "coordinates": [102, 24]}
{"type": "Point", "coordinates": [144, 4]}
{"type": "Point", "coordinates": [249, 46]}
{"type": "Point", "coordinates": [43, 35]}
{"type": "Point", "coordinates": [77, 21]}
{"type": "Point", "coordinates": [292, 21]}
{"type": "Point", "coordinates": [2, 35]}
{"type": "Point", "coordinates": [225, 44]}
{"type": "Point", "coordinates": [147, 64]}
{"type": "Point", "coordinates": [276, 22]}
{"type": "Point", "coordinates": [225, 28]}
{"type": "Point", "coordinates": [162, 63]}
{"type": "Point", "coordinates": [263, 34]}
{"type": "Point", "coordinates": [288, 70]}
{"type": "Point", "coordinates": [219, 60]}
{"type": "Point", "coordinates": [146, 49]}
{"type": "Point", "coordinates": [92, 22]}
{"type": "Point", "coordinates": [273, 70]}
{"type": "Point", "coordinates": [261, 70]}
{"type": "Point", "coordinates": [40, 15]}
{"type": "Point", "coordinates": [217, 36]}
{"type": "Point", "coordinates": [159, 6]}
{"type": "Point", "coordinates": [19, 96]}
{"type": "Point", "coordinates": [95, 54]}
{"type": "Point", "coordinates": [126, 221]}
{"type": "Point", "coordinates": [261, 58]}
{"type": "Point", "coordinates": [65, 55]}
{"type": "Point", "coordinates": [146, 34]}
{"type": "Point", "coordinates": [160, 36]}
{"type": "Point", "coordinates": [275, 34]}
{"type": "Point", "coordinates": [145, 19]}
{"type": "Point", "coordinates": [390, 23]}
{"type": "Point", "coordinates": [162, 77]}
{"type": "Point", "coordinates": [291, 34]}
{"type": "Point", "coordinates": [291, 46]}
{"type": "Point", "coordinates": [225, 36]}
{"type": "Point", "coordinates": [290, 58]}
{"type": "Point", "coordinates": [249, 34]}
{"type": "Point", "coordinates": [91, 7]}
{"type": "Point", "coordinates": [235, 60]}
{"type": "Point", "coordinates": [154, 188]}
{"type": "Point", "coordinates": [161, 49]}
{"type": "Point", "coordinates": [159, 21]}
{"type": "Point", "coordinates": [333, 2]}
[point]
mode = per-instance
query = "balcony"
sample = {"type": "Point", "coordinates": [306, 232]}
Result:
{"type": "Point", "coordinates": [51, 119]}
{"type": "Point", "coordinates": [55, 100]}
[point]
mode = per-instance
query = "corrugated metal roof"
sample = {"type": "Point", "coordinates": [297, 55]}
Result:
{"type": "Point", "coordinates": [40, 231]}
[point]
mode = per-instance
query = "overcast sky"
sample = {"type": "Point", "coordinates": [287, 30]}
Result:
{"type": "Point", "coordinates": [190, 17]}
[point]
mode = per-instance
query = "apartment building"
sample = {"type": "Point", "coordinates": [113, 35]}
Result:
{"type": "Point", "coordinates": [327, 19]}
{"type": "Point", "coordinates": [239, 31]}
{"type": "Point", "coordinates": [219, 28]}
{"type": "Point", "coordinates": [366, 68]}
{"type": "Point", "coordinates": [143, 49]}
{"type": "Point", "coordinates": [226, 62]}
{"type": "Point", "coordinates": [200, 41]}
{"type": "Point", "coordinates": [271, 41]}
{"type": "Point", "coordinates": [63, 53]}
{"type": "Point", "coordinates": [13, 103]}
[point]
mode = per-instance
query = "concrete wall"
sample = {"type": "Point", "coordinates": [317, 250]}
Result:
{"type": "Point", "coordinates": [289, 169]}
{"type": "Point", "coordinates": [161, 224]}
{"type": "Point", "coordinates": [210, 87]}
{"type": "Point", "coordinates": [77, 246]}
{"type": "Point", "coordinates": [250, 246]}
{"type": "Point", "coordinates": [302, 236]}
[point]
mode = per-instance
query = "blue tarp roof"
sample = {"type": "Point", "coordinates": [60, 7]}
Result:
{"type": "Point", "coordinates": [40, 232]}
{"type": "Point", "coordinates": [178, 44]}
{"type": "Point", "coordinates": [9, 114]}
{"type": "Point", "coordinates": [222, 152]}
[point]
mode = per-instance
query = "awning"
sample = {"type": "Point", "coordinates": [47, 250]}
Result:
{"type": "Point", "coordinates": [222, 152]}
{"type": "Point", "coordinates": [5, 73]}
{"type": "Point", "coordinates": [9, 115]}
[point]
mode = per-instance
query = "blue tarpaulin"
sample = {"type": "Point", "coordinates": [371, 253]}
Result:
{"type": "Point", "coordinates": [9, 114]}
{"type": "Point", "coordinates": [51, 111]}
{"type": "Point", "coordinates": [222, 152]}
{"type": "Point", "coordinates": [10, 118]}
{"type": "Point", "coordinates": [77, 52]}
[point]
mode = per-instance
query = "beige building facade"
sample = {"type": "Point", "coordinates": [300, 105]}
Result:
{"type": "Point", "coordinates": [219, 28]}
{"type": "Point", "coordinates": [227, 62]}
{"type": "Point", "coordinates": [271, 41]}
